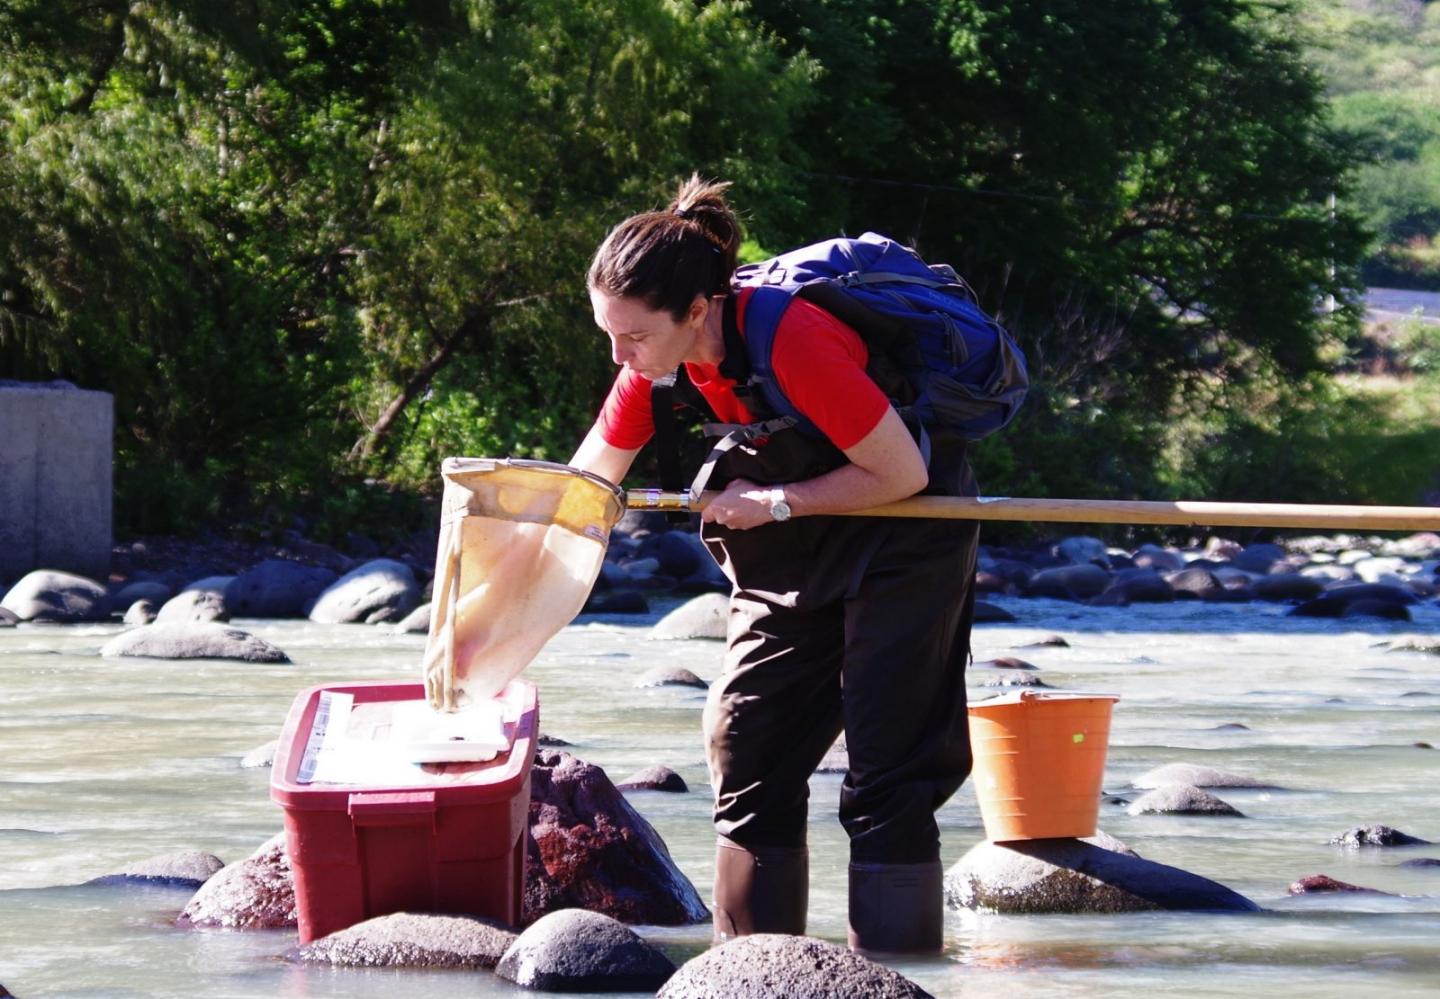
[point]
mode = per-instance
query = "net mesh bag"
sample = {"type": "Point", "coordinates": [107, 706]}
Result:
{"type": "Point", "coordinates": [521, 543]}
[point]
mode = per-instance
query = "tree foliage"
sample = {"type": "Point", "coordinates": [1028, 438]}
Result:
{"type": "Point", "coordinates": [307, 242]}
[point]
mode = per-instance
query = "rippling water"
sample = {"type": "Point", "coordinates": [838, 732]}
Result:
{"type": "Point", "coordinates": [103, 762]}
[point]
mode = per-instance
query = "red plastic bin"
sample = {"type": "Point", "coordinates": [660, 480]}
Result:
{"type": "Point", "coordinates": [454, 844]}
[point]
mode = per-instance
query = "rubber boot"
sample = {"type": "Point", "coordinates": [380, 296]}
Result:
{"type": "Point", "coordinates": [765, 890]}
{"type": "Point", "coordinates": [897, 908]}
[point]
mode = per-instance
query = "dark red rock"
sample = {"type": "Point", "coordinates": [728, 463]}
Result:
{"type": "Point", "coordinates": [589, 849]}
{"type": "Point", "coordinates": [256, 894]}
{"type": "Point", "coordinates": [1319, 883]}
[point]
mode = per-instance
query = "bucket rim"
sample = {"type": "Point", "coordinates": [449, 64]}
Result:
{"type": "Point", "coordinates": [1021, 696]}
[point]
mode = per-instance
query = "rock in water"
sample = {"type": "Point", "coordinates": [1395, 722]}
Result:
{"type": "Point", "coordinates": [774, 966]}
{"type": "Point", "coordinates": [417, 622]}
{"type": "Point", "coordinates": [57, 597]}
{"type": "Point", "coordinates": [1078, 876]}
{"type": "Point", "coordinates": [578, 951]}
{"type": "Point", "coordinates": [411, 940]}
{"type": "Point", "coordinates": [277, 587]}
{"type": "Point", "coordinates": [654, 779]}
{"type": "Point", "coordinates": [670, 676]}
{"type": "Point", "coordinates": [589, 849]}
{"type": "Point", "coordinates": [256, 894]}
{"type": "Point", "coordinates": [1182, 799]}
{"type": "Point", "coordinates": [704, 617]}
{"type": "Point", "coordinates": [186, 869]}
{"type": "Point", "coordinates": [988, 613]}
{"type": "Point", "coordinates": [1323, 883]}
{"type": "Point", "coordinates": [380, 590]}
{"type": "Point", "coordinates": [194, 606]}
{"type": "Point", "coordinates": [1376, 835]}
{"type": "Point", "coordinates": [193, 641]}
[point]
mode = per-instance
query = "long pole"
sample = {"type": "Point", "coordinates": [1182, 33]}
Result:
{"type": "Point", "coordinates": [1181, 512]}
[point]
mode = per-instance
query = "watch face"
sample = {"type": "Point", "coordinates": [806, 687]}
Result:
{"type": "Point", "coordinates": [780, 510]}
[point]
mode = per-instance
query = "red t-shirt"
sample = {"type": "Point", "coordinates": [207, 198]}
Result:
{"type": "Point", "coordinates": [818, 361]}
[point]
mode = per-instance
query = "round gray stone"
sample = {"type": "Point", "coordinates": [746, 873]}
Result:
{"type": "Point", "coordinates": [193, 641]}
{"type": "Point", "coordinates": [670, 676]}
{"type": "Point", "coordinates": [185, 869]}
{"type": "Point", "coordinates": [411, 940]}
{"type": "Point", "coordinates": [655, 778]}
{"type": "Point", "coordinates": [8, 618]}
{"type": "Point", "coordinates": [141, 612]}
{"type": "Point", "coordinates": [1195, 776]}
{"type": "Point", "coordinates": [1181, 799]}
{"type": "Point", "coordinates": [575, 950]}
{"type": "Point", "coordinates": [988, 613]}
{"type": "Point", "coordinates": [704, 617]}
{"type": "Point", "coordinates": [1069, 582]}
{"type": "Point", "coordinates": [775, 966]}
{"type": "Point", "coordinates": [1080, 549]}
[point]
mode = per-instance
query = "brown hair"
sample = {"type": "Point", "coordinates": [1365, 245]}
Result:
{"type": "Point", "coordinates": [668, 257]}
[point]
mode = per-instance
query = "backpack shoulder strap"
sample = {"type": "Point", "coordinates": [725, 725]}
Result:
{"type": "Point", "coordinates": [763, 314]}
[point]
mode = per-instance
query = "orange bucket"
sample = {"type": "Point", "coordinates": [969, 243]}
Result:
{"type": "Point", "coordinates": [1039, 762]}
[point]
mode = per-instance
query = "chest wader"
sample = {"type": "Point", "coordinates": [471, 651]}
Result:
{"type": "Point", "coordinates": [839, 624]}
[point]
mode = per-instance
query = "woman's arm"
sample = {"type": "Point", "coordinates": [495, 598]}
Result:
{"type": "Point", "coordinates": [601, 458]}
{"type": "Point", "coordinates": [885, 465]}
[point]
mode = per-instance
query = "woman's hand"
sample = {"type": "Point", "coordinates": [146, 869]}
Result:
{"type": "Point", "coordinates": [743, 505]}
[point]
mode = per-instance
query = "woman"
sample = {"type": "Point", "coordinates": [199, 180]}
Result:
{"type": "Point", "coordinates": [849, 624]}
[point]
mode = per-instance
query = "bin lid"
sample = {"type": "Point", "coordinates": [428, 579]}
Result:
{"type": "Point", "coordinates": [1021, 696]}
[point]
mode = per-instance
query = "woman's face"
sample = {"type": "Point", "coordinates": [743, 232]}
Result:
{"type": "Point", "coordinates": [648, 342]}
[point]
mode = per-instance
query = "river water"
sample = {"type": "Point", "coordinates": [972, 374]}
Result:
{"type": "Point", "coordinates": [109, 761]}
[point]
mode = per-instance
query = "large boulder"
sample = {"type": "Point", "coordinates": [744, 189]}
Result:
{"type": "Point", "coordinates": [411, 940]}
{"type": "Point", "coordinates": [58, 597]}
{"type": "Point", "coordinates": [256, 894]}
{"type": "Point", "coordinates": [1096, 875]}
{"type": "Point", "coordinates": [1069, 582]}
{"type": "Point", "coordinates": [276, 588]}
{"type": "Point", "coordinates": [776, 966]}
{"type": "Point", "coordinates": [185, 869]}
{"type": "Point", "coordinates": [1199, 581]}
{"type": "Point", "coordinates": [589, 849]}
{"type": "Point", "coordinates": [8, 618]}
{"type": "Point", "coordinates": [704, 617]}
{"type": "Point", "coordinates": [193, 641]}
{"type": "Point", "coordinates": [1079, 549]}
{"type": "Point", "coordinates": [1196, 776]}
{"type": "Point", "coordinates": [141, 612]}
{"type": "Point", "coordinates": [1258, 557]}
{"type": "Point", "coordinates": [1159, 559]}
{"type": "Point", "coordinates": [578, 951]}
{"type": "Point", "coordinates": [1286, 586]}
{"type": "Point", "coordinates": [380, 590]}
{"type": "Point", "coordinates": [1140, 586]}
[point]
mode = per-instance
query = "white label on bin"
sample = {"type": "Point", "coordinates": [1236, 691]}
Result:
{"type": "Point", "coordinates": [331, 714]}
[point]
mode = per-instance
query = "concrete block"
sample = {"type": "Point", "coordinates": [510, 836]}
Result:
{"type": "Point", "coordinates": [56, 479]}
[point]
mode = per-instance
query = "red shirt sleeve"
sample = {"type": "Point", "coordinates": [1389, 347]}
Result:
{"type": "Point", "coordinates": [820, 365]}
{"type": "Point", "coordinates": [625, 420]}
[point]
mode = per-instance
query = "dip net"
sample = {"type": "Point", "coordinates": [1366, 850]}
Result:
{"type": "Point", "coordinates": [521, 543]}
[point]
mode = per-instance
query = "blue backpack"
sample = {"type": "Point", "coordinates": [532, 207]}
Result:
{"type": "Point", "coordinates": [944, 363]}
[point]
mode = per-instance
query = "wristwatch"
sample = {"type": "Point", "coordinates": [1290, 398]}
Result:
{"type": "Point", "coordinates": [779, 509]}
